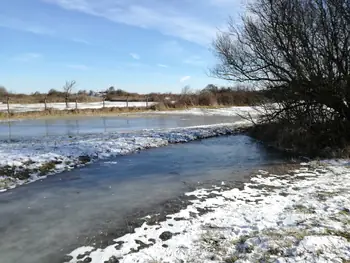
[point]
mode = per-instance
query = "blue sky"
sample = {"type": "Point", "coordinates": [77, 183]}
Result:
{"type": "Point", "coordinates": [135, 45]}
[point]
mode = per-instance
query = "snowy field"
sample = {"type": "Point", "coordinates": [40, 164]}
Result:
{"type": "Point", "coordinates": [230, 111]}
{"type": "Point", "coordinates": [62, 106]}
{"type": "Point", "coordinates": [27, 160]}
{"type": "Point", "coordinates": [302, 216]}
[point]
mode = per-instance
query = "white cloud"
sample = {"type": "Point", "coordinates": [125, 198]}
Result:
{"type": "Point", "coordinates": [185, 78]}
{"type": "Point", "coordinates": [78, 66]}
{"type": "Point", "coordinates": [170, 18]}
{"type": "Point", "coordinates": [135, 56]}
{"type": "Point", "coordinates": [162, 66]}
{"type": "Point", "coordinates": [27, 57]}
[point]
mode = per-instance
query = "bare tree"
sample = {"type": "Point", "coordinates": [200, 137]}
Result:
{"type": "Point", "coordinates": [67, 89]}
{"type": "Point", "coordinates": [111, 90]}
{"type": "Point", "coordinates": [299, 50]}
{"type": "Point", "coordinates": [186, 90]}
{"type": "Point", "coordinates": [187, 97]}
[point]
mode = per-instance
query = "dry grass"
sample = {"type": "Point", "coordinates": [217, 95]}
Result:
{"type": "Point", "coordinates": [40, 98]}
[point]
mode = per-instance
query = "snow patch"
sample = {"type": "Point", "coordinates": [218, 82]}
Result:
{"type": "Point", "coordinates": [302, 216]}
{"type": "Point", "coordinates": [63, 106]}
{"type": "Point", "coordinates": [230, 111]}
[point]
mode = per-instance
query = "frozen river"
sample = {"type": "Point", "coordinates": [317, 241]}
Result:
{"type": "Point", "coordinates": [42, 221]}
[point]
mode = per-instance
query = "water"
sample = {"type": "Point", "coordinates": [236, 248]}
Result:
{"type": "Point", "coordinates": [81, 125]}
{"type": "Point", "coordinates": [40, 222]}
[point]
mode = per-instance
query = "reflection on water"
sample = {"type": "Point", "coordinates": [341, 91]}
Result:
{"type": "Point", "coordinates": [72, 126]}
{"type": "Point", "coordinates": [10, 130]}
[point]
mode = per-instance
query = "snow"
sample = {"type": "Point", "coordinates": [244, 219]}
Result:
{"type": "Point", "coordinates": [302, 216]}
{"type": "Point", "coordinates": [59, 153]}
{"type": "Point", "coordinates": [62, 106]}
{"type": "Point", "coordinates": [230, 111]}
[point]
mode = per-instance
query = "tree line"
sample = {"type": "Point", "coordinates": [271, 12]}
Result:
{"type": "Point", "coordinates": [211, 95]}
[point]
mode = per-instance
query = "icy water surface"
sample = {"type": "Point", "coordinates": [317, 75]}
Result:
{"type": "Point", "coordinates": [81, 125]}
{"type": "Point", "coordinates": [42, 221]}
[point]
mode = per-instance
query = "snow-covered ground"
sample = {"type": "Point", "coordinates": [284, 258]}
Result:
{"type": "Point", "coordinates": [230, 111]}
{"type": "Point", "coordinates": [62, 106]}
{"type": "Point", "coordinates": [302, 216]}
{"type": "Point", "coordinates": [27, 160]}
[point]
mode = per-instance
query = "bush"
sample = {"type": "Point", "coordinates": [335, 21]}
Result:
{"type": "Point", "coordinates": [320, 140]}
{"type": "Point", "coordinates": [160, 106]}
{"type": "Point", "coordinates": [207, 99]}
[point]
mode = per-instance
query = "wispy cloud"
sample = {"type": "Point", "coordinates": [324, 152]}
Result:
{"type": "Point", "coordinates": [135, 56]}
{"type": "Point", "coordinates": [169, 19]}
{"type": "Point", "coordinates": [78, 67]}
{"type": "Point", "coordinates": [162, 66]}
{"type": "Point", "coordinates": [185, 78]}
{"type": "Point", "coordinates": [35, 28]}
{"type": "Point", "coordinates": [27, 57]}
{"type": "Point", "coordinates": [26, 26]}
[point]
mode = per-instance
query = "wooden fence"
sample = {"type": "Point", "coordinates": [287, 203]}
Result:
{"type": "Point", "coordinates": [71, 105]}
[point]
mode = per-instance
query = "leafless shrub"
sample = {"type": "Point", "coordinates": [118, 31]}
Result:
{"type": "Point", "coordinates": [207, 98]}
{"type": "Point", "coordinates": [67, 89]}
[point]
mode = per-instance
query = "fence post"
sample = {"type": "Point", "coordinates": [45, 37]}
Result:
{"type": "Point", "coordinates": [104, 102]}
{"type": "Point", "coordinates": [45, 101]}
{"type": "Point", "coordinates": [66, 99]}
{"type": "Point", "coordinates": [8, 104]}
{"type": "Point", "coordinates": [127, 102]}
{"type": "Point", "coordinates": [146, 102]}
{"type": "Point", "coordinates": [76, 103]}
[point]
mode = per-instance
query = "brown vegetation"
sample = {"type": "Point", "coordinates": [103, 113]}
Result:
{"type": "Point", "coordinates": [53, 96]}
{"type": "Point", "coordinates": [212, 96]}
{"type": "Point", "coordinates": [209, 96]}
{"type": "Point", "coordinates": [50, 98]}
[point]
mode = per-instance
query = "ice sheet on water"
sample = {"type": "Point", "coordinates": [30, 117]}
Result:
{"type": "Point", "coordinates": [56, 154]}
